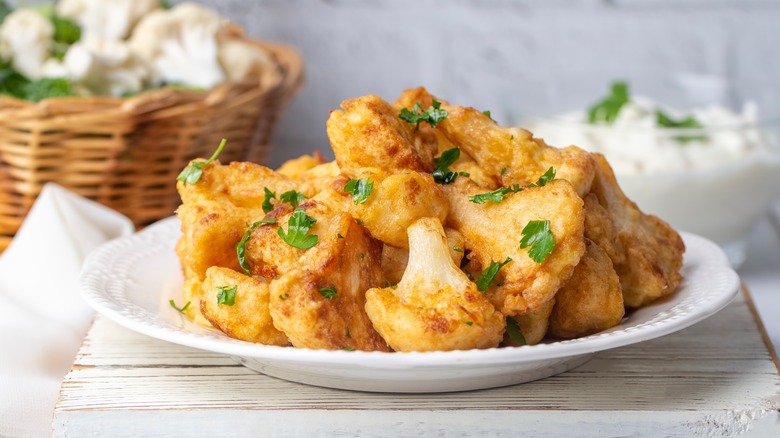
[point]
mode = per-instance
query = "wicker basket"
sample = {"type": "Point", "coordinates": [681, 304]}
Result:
{"type": "Point", "coordinates": [126, 153]}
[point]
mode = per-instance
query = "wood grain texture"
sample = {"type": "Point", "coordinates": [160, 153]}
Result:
{"type": "Point", "coordinates": [716, 378]}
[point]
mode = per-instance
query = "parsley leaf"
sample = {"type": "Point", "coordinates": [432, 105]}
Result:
{"type": "Point", "coordinates": [297, 226]}
{"type": "Point", "coordinates": [66, 32]}
{"type": "Point", "coordinates": [488, 275]}
{"type": "Point", "coordinates": [538, 236]}
{"type": "Point", "coordinates": [360, 189]}
{"type": "Point", "coordinates": [665, 121]}
{"type": "Point", "coordinates": [443, 174]}
{"type": "Point", "coordinates": [495, 196]}
{"type": "Point", "coordinates": [544, 179]}
{"type": "Point", "coordinates": [328, 292]}
{"type": "Point", "coordinates": [607, 110]}
{"type": "Point", "coordinates": [241, 245]}
{"type": "Point", "coordinates": [292, 197]}
{"type": "Point", "coordinates": [181, 310]}
{"type": "Point", "coordinates": [269, 195]}
{"type": "Point", "coordinates": [432, 115]}
{"type": "Point", "coordinates": [513, 330]}
{"type": "Point", "coordinates": [192, 173]}
{"type": "Point", "coordinates": [226, 295]}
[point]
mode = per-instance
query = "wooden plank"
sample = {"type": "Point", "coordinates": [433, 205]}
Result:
{"type": "Point", "coordinates": [716, 378]}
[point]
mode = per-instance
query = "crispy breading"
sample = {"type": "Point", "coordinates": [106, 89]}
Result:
{"type": "Point", "coordinates": [296, 168]}
{"type": "Point", "coordinates": [318, 178]}
{"type": "Point", "coordinates": [215, 211]}
{"type": "Point", "coordinates": [533, 325]}
{"type": "Point", "coordinates": [493, 232]}
{"type": "Point", "coordinates": [592, 300]}
{"type": "Point", "coordinates": [192, 294]}
{"type": "Point", "coordinates": [395, 202]}
{"type": "Point", "coordinates": [394, 260]}
{"type": "Point", "coordinates": [368, 133]}
{"type": "Point", "coordinates": [434, 307]}
{"type": "Point", "coordinates": [248, 318]}
{"type": "Point", "coordinates": [513, 155]}
{"type": "Point", "coordinates": [652, 250]}
{"type": "Point", "coordinates": [350, 265]}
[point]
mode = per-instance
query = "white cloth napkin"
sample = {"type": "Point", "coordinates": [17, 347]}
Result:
{"type": "Point", "coordinates": [42, 316]}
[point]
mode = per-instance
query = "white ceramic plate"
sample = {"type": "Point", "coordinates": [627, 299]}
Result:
{"type": "Point", "coordinates": [130, 280]}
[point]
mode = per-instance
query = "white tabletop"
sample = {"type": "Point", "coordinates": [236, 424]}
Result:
{"type": "Point", "coordinates": [761, 273]}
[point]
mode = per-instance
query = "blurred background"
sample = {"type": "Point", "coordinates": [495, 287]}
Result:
{"type": "Point", "coordinates": [516, 57]}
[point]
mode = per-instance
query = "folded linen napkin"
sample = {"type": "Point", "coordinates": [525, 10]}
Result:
{"type": "Point", "coordinates": [43, 318]}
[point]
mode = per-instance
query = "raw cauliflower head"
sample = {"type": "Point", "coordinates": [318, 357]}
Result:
{"type": "Point", "coordinates": [109, 19]}
{"type": "Point", "coordinates": [180, 45]}
{"type": "Point", "coordinates": [435, 307]}
{"type": "Point", "coordinates": [26, 39]}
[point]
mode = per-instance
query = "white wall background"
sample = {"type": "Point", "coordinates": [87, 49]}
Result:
{"type": "Point", "coordinates": [516, 57]}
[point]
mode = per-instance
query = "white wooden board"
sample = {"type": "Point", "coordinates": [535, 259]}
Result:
{"type": "Point", "coordinates": [714, 379]}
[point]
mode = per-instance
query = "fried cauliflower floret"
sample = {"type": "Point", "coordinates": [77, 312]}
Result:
{"type": "Point", "coordinates": [652, 252]}
{"type": "Point", "coordinates": [192, 294]}
{"type": "Point", "coordinates": [369, 133]}
{"type": "Point", "coordinates": [395, 202]}
{"type": "Point", "coordinates": [592, 300]}
{"type": "Point", "coordinates": [533, 325]}
{"type": "Point", "coordinates": [394, 260]}
{"type": "Point", "coordinates": [318, 178]}
{"type": "Point", "coordinates": [493, 233]}
{"type": "Point", "coordinates": [434, 307]}
{"type": "Point", "coordinates": [320, 303]}
{"type": "Point", "coordinates": [296, 168]}
{"type": "Point", "coordinates": [513, 155]}
{"type": "Point", "coordinates": [215, 211]}
{"type": "Point", "coordinates": [248, 318]}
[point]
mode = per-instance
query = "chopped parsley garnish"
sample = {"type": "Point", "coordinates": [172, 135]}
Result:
{"type": "Point", "coordinates": [284, 296]}
{"type": "Point", "coordinates": [350, 348]}
{"type": "Point", "coordinates": [442, 174]}
{"type": "Point", "coordinates": [488, 275]}
{"type": "Point", "coordinates": [347, 334]}
{"type": "Point", "coordinates": [665, 121]}
{"type": "Point", "coordinates": [503, 170]}
{"type": "Point", "coordinates": [606, 111]}
{"type": "Point", "coordinates": [241, 245]}
{"type": "Point", "coordinates": [457, 249]}
{"type": "Point", "coordinates": [181, 310]}
{"type": "Point", "coordinates": [226, 295]}
{"type": "Point", "coordinates": [495, 196]}
{"type": "Point", "coordinates": [340, 236]}
{"type": "Point", "coordinates": [469, 322]}
{"type": "Point", "coordinates": [394, 287]}
{"type": "Point", "coordinates": [292, 197]}
{"type": "Point", "coordinates": [269, 195]}
{"type": "Point", "coordinates": [513, 330]}
{"type": "Point", "coordinates": [487, 113]}
{"type": "Point", "coordinates": [297, 226]}
{"type": "Point", "coordinates": [360, 189]}
{"type": "Point", "coordinates": [544, 179]}
{"type": "Point", "coordinates": [192, 173]}
{"type": "Point", "coordinates": [539, 238]}
{"type": "Point", "coordinates": [432, 115]}
{"type": "Point", "coordinates": [328, 292]}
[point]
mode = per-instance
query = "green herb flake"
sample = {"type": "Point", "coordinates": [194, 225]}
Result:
{"type": "Point", "coordinates": [538, 236]}
{"type": "Point", "coordinates": [689, 122]}
{"type": "Point", "coordinates": [466, 174]}
{"type": "Point", "coordinates": [360, 189]}
{"type": "Point", "coordinates": [513, 330]}
{"type": "Point", "coordinates": [432, 116]}
{"type": "Point", "coordinates": [241, 245]}
{"type": "Point", "coordinates": [487, 114]}
{"type": "Point", "coordinates": [495, 196]}
{"type": "Point", "coordinates": [267, 204]}
{"type": "Point", "coordinates": [284, 296]}
{"type": "Point", "coordinates": [292, 197]}
{"type": "Point", "coordinates": [442, 174]}
{"type": "Point", "coordinates": [340, 236]}
{"type": "Point", "coordinates": [298, 226]}
{"type": "Point", "coordinates": [347, 334]}
{"type": "Point", "coordinates": [548, 176]}
{"type": "Point", "coordinates": [457, 249]}
{"type": "Point", "coordinates": [362, 256]}
{"type": "Point", "coordinates": [469, 322]}
{"type": "Point", "coordinates": [394, 287]}
{"type": "Point", "coordinates": [488, 275]}
{"type": "Point", "coordinates": [182, 309]}
{"type": "Point", "coordinates": [328, 292]}
{"type": "Point", "coordinates": [350, 348]}
{"type": "Point", "coordinates": [607, 110]}
{"type": "Point", "coordinates": [192, 173]}
{"type": "Point", "coordinates": [503, 170]}
{"type": "Point", "coordinates": [226, 295]}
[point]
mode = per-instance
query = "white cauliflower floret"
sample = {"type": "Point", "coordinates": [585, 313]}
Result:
{"type": "Point", "coordinates": [112, 19]}
{"type": "Point", "coordinates": [104, 67]}
{"type": "Point", "coordinates": [242, 60]}
{"type": "Point", "coordinates": [26, 39]}
{"type": "Point", "coordinates": [434, 307]}
{"type": "Point", "coordinates": [180, 45]}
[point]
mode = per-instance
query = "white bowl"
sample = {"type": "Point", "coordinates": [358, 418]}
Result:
{"type": "Point", "coordinates": [717, 192]}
